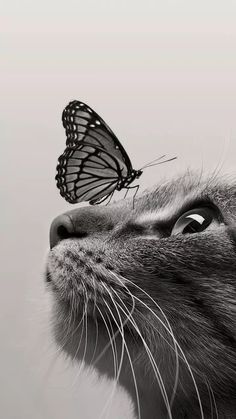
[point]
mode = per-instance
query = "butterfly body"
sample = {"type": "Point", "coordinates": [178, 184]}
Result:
{"type": "Point", "coordinates": [94, 163]}
{"type": "Point", "coordinates": [125, 182]}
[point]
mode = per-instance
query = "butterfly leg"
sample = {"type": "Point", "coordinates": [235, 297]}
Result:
{"type": "Point", "coordinates": [126, 193]}
{"type": "Point", "coordinates": [132, 187]}
{"type": "Point", "coordinates": [137, 188]}
{"type": "Point", "coordinates": [111, 195]}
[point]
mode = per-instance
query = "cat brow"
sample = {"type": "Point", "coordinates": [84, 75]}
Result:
{"type": "Point", "coordinates": [174, 209]}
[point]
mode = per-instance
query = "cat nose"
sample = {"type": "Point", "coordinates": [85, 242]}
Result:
{"type": "Point", "coordinates": [61, 228]}
{"type": "Point", "coordinates": [80, 223]}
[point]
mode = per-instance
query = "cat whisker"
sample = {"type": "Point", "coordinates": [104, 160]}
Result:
{"type": "Point", "coordinates": [184, 357]}
{"type": "Point", "coordinates": [152, 361]}
{"type": "Point", "coordinates": [81, 336]}
{"type": "Point", "coordinates": [212, 397]}
{"type": "Point", "coordinates": [67, 322]}
{"type": "Point", "coordinates": [69, 318]}
{"type": "Point", "coordinates": [170, 331]}
{"type": "Point", "coordinates": [124, 345]}
{"type": "Point", "coordinates": [115, 334]}
{"type": "Point", "coordinates": [95, 319]}
{"type": "Point", "coordinates": [174, 340]}
{"type": "Point", "coordinates": [173, 348]}
{"type": "Point", "coordinates": [116, 379]}
{"type": "Point", "coordinates": [112, 344]}
{"type": "Point", "coordinates": [121, 326]}
{"type": "Point", "coordinates": [96, 341]}
{"type": "Point", "coordinates": [156, 370]}
{"type": "Point", "coordinates": [81, 321]}
{"type": "Point", "coordinates": [111, 340]}
{"type": "Point", "coordinates": [69, 334]}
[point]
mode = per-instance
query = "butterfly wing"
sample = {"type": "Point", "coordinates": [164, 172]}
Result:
{"type": "Point", "coordinates": [87, 173]}
{"type": "Point", "coordinates": [82, 124]}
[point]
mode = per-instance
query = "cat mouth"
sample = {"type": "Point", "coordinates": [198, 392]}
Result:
{"type": "Point", "coordinates": [87, 287]}
{"type": "Point", "coordinates": [69, 274]}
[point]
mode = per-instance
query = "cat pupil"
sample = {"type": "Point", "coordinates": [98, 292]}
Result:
{"type": "Point", "coordinates": [196, 227]}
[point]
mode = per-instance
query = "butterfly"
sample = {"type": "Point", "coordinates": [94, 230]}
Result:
{"type": "Point", "coordinates": [94, 163]}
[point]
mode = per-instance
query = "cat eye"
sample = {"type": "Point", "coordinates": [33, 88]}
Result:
{"type": "Point", "coordinates": [196, 221]}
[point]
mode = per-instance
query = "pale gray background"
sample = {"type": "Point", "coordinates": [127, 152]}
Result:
{"type": "Point", "coordinates": [162, 74]}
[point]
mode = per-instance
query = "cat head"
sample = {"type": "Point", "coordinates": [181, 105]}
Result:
{"type": "Point", "coordinates": [159, 282]}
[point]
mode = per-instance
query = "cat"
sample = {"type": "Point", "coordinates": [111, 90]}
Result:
{"type": "Point", "coordinates": [146, 293]}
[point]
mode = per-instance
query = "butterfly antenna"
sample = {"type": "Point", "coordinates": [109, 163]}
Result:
{"type": "Point", "coordinates": [152, 163]}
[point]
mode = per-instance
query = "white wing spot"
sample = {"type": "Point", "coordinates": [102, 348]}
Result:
{"type": "Point", "coordinates": [98, 122]}
{"type": "Point", "coordinates": [92, 125]}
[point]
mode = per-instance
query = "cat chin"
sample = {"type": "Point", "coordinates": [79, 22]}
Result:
{"type": "Point", "coordinates": [87, 348]}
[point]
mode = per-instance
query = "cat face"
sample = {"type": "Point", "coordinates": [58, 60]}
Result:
{"type": "Point", "coordinates": [159, 282]}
